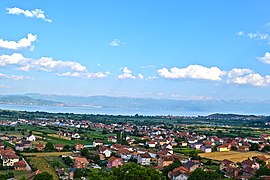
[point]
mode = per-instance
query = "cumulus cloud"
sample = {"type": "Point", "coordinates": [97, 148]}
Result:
{"type": "Point", "coordinates": [115, 43]}
{"type": "Point", "coordinates": [193, 72]}
{"type": "Point", "coordinates": [127, 74]}
{"type": "Point", "coordinates": [44, 63]}
{"type": "Point", "coordinates": [14, 59]}
{"type": "Point", "coordinates": [234, 76]}
{"type": "Point", "coordinates": [247, 76]}
{"type": "Point", "coordinates": [21, 44]}
{"type": "Point", "coordinates": [36, 13]}
{"type": "Point", "coordinates": [265, 58]}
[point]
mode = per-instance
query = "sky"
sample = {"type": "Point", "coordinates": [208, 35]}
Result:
{"type": "Point", "coordinates": [199, 50]}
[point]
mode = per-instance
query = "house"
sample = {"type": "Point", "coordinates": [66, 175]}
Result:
{"type": "Point", "coordinates": [97, 143]}
{"type": "Point", "coordinates": [251, 164]}
{"type": "Point", "coordinates": [31, 137]}
{"type": "Point", "coordinates": [59, 147]}
{"type": "Point", "coordinates": [227, 164]}
{"type": "Point", "coordinates": [164, 161]}
{"type": "Point", "coordinates": [114, 162]}
{"type": "Point", "coordinates": [19, 147]}
{"type": "Point", "coordinates": [112, 139]}
{"type": "Point", "coordinates": [75, 136]}
{"type": "Point", "coordinates": [183, 144]}
{"type": "Point", "coordinates": [20, 166]}
{"type": "Point", "coordinates": [10, 159]}
{"type": "Point", "coordinates": [243, 148]}
{"type": "Point", "coordinates": [152, 144]}
{"type": "Point", "coordinates": [40, 147]}
{"type": "Point", "coordinates": [78, 146]}
{"type": "Point", "coordinates": [81, 162]}
{"type": "Point", "coordinates": [191, 166]}
{"type": "Point", "coordinates": [180, 173]}
{"type": "Point", "coordinates": [105, 151]}
{"type": "Point", "coordinates": [196, 145]}
{"type": "Point", "coordinates": [144, 159]}
{"type": "Point", "coordinates": [223, 147]}
{"type": "Point", "coordinates": [206, 149]}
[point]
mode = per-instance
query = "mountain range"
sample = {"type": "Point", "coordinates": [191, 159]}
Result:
{"type": "Point", "coordinates": [127, 103]}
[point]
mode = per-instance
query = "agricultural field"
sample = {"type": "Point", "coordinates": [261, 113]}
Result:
{"type": "Point", "coordinates": [43, 165]}
{"type": "Point", "coordinates": [234, 156]}
{"type": "Point", "coordinates": [46, 154]}
{"type": "Point", "coordinates": [17, 174]}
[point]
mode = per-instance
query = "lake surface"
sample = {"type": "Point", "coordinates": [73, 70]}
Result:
{"type": "Point", "coordinates": [92, 110]}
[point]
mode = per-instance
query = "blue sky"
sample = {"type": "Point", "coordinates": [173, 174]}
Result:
{"type": "Point", "coordinates": [155, 49]}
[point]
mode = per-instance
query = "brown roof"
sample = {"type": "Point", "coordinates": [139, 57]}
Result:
{"type": "Point", "coordinates": [20, 164]}
{"type": "Point", "coordinates": [145, 155]}
{"type": "Point", "coordinates": [112, 158]}
{"type": "Point", "coordinates": [167, 158]}
{"type": "Point", "coordinates": [81, 160]}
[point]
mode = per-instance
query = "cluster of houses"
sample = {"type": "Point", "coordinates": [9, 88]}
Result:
{"type": "Point", "coordinates": [10, 160]}
{"type": "Point", "coordinates": [245, 169]}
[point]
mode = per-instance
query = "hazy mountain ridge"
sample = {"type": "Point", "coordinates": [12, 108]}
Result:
{"type": "Point", "coordinates": [25, 100]}
{"type": "Point", "coordinates": [212, 106]}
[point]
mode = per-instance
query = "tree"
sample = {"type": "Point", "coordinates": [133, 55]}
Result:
{"type": "Point", "coordinates": [127, 172]}
{"type": "Point", "coordinates": [66, 148]}
{"type": "Point", "coordinates": [43, 176]}
{"type": "Point", "coordinates": [85, 153]}
{"type": "Point", "coordinates": [254, 147]}
{"type": "Point", "coordinates": [200, 174]}
{"type": "Point", "coordinates": [49, 147]}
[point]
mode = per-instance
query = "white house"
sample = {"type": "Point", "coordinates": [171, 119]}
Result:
{"type": "Point", "coordinates": [144, 159]}
{"type": "Point", "coordinates": [31, 138]}
{"type": "Point", "coordinates": [180, 177]}
{"type": "Point", "coordinates": [97, 143]}
{"type": "Point", "coordinates": [206, 149]}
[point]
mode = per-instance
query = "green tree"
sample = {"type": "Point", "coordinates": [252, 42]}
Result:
{"type": "Point", "coordinates": [85, 153]}
{"type": "Point", "coordinates": [254, 147]}
{"type": "Point", "coordinates": [200, 174]}
{"type": "Point", "coordinates": [49, 147]}
{"type": "Point", "coordinates": [43, 176]}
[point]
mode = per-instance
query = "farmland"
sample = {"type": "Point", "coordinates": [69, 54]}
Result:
{"type": "Point", "coordinates": [43, 165]}
{"type": "Point", "coordinates": [46, 154]}
{"type": "Point", "coordinates": [232, 155]}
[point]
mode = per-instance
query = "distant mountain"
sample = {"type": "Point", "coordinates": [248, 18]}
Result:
{"type": "Point", "coordinates": [145, 104]}
{"type": "Point", "coordinates": [25, 100]}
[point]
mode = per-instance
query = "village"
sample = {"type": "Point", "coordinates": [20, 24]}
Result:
{"type": "Point", "coordinates": [174, 152]}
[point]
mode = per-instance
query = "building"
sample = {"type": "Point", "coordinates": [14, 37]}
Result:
{"type": "Point", "coordinates": [59, 147]}
{"type": "Point", "coordinates": [114, 162]}
{"type": "Point", "coordinates": [144, 159]}
{"type": "Point", "coordinates": [97, 143]}
{"type": "Point", "coordinates": [81, 162]}
{"type": "Point", "coordinates": [78, 146]}
{"type": "Point", "coordinates": [20, 166]}
{"type": "Point", "coordinates": [164, 161]}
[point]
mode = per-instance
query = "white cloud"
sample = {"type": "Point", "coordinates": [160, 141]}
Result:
{"type": "Point", "coordinates": [14, 59]}
{"type": "Point", "coordinates": [14, 77]}
{"type": "Point", "coordinates": [22, 43]}
{"type": "Point", "coordinates": [234, 76]}
{"type": "Point", "coordinates": [254, 79]}
{"type": "Point", "coordinates": [115, 43]}
{"type": "Point", "coordinates": [88, 75]}
{"type": "Point", "coordinates": [44, 63]}
{"type": "Point", "coordinates": [127, 74]}
{"type": "Point", "coordinates": [193, 72]}
{"type": "Point", "coordinates": [49, 64]}
{"type": "Point", "coordinates": [36, 13]}
{"type": "Point", "coordinates": [240, 33]}
{"type": "Point", "coordinates": [265, 58]}
{"type": "Point", "coordinates": [259, 36]}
